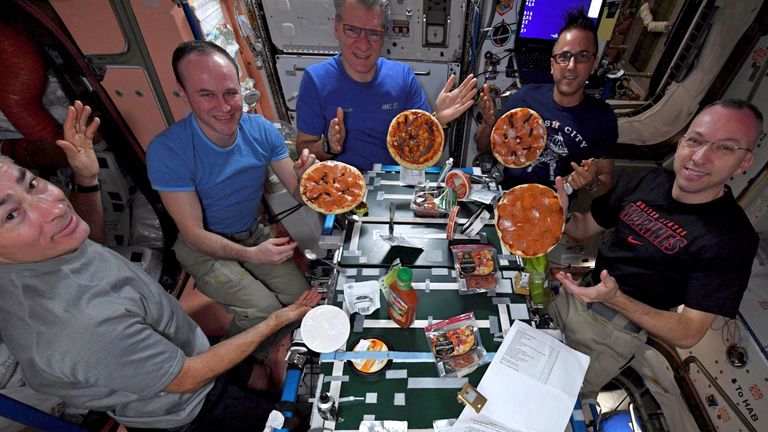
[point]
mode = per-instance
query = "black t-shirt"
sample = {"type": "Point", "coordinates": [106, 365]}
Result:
{"type": "Point", "coordinates": [587, 130]}
{"type": "Point", "coordinates": [665, 253]}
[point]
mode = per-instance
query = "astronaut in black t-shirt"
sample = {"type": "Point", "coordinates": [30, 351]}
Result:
{"type": "Point", "coordinates": [579, 127]}
{"type": "Point", "coordinates": [678, 239]}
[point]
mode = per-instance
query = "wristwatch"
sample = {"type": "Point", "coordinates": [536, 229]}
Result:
{"type": "Point", "coordinates": [85, 189]}
{"type": "Point", "coordinates": [327, 147]}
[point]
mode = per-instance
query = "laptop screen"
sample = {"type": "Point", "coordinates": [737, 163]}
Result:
{"type": "Point", "coordinates": [542, 19]}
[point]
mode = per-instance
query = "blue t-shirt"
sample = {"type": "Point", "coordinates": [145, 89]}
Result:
{"type": "Point", "coordinates": [368, 107]}
{"type": "Point", "coordinates": [229, 181]}
{"type": "Point", "coordinates": [587, 130]}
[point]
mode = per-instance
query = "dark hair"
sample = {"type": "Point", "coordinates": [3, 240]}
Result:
{"type": "Point", "coordinates": [189, 48]}
{"type": "Point", "coordinates": [741, 104]}
{"type": "Point", "coordinates": [383, 6]}
{"type": "Point", "coordinates": [578, 19]}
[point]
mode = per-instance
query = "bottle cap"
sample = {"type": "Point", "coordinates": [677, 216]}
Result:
{"type": "Point", "coordinates": [404, 274]}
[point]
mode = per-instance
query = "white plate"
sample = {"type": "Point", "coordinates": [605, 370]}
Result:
{"type": "Point", "coordinates": [325, 328]}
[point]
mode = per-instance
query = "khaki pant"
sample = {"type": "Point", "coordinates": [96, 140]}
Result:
{"type": "Point", "coordinates": [608, 344]}
{"type": "Point", "coordinates": [249, 291]}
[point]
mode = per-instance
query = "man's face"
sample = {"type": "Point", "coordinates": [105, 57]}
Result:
{"type": "Point", "coordinates": [701, 173]}
{"type": "Point", "coordinates": [359, 54]}
{"type": "Point", "coordinates": [212, 88]}
{"type": "Point", "coordinates": [570, 78]}
{"type": "Point", "coordinates": [38, 222]}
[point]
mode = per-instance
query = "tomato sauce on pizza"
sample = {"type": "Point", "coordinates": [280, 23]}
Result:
{"type": "Point", "coordinates": [518, 138]}
{"type": "Point", "coordinates": [415, 139]}
{"type": "Point", "coordinates": [332, 187]}
{"type": "Point", "coordinates": [529, 220]}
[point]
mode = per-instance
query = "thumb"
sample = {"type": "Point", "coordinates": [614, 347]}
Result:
{"type": "Point", "coordinates": [604, 275]}
{"type": "Point", "coordinates": [340, 115]}
{"type": "Point", "coordinates": [67, 146]}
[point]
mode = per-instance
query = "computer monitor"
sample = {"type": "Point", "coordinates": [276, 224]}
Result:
{"type": "Point", "coordinates": [542, 19]}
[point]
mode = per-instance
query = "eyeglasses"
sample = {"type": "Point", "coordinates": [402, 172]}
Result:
{"type": "Point", "coordinates": [354, 32]}
{"type": "Point", "coordinates": [719, 148]}
{"type": "Point", "coordinates": [563, 58]}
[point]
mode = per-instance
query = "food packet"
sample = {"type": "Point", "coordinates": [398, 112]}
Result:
{"type": "Point", "coordinates": [429, 201]}
{"type": "Point", "coordinates": [456, 344]}
{"type": "Point", "coordinates": [477, 268]}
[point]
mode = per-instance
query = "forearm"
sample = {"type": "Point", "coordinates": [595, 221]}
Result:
{"type": "Point", "coordinates": [672, 327]}
{"type": "Point", "coordinates": [201, 369]}
{"type": "Point", "coordinates": [88, 205]}
{"type": "Point", "coordinates": [603, 183]}
{"type": "Point", "coordinates": [581, 226]}
{"type": "Point", "coordinates": [315, 147]}
{"type": "Point", "coordinates": [214, 245]}
{"type": "Point", "coordinates": [483, 138]}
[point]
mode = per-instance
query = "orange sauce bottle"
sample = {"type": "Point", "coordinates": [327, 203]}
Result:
{"type": "Point", "coordinates": [402, 299]}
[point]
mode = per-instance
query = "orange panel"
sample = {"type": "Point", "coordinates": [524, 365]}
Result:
{"type": "Point", "coordinates": [129, 89]}
{"type": "Point", "coordinates": [164, 26]}
{"type": "Point", "coordinates": [92, 24]}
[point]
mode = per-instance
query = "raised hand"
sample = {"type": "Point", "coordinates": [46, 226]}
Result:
{"type": "Point", "coordinates": [487, 107]}
{"type": "Point", "coordinates": [78, 142]}
{"type": "Point", "coordinates": [337, 132]}
{"type": "Point", "coordinates": [306, 159]}
{"type": "Point", "coordinates": [583, 175]}
{"type": "Point", "coordinates": [451, 104]}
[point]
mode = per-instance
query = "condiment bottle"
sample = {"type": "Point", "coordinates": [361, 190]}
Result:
{"type": "Point", "coordinates": [402, 299]}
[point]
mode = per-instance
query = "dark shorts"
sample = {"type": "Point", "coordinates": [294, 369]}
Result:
{"type": "Point", "coordinates": [230, 405]}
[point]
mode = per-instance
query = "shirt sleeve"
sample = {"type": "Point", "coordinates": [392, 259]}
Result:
{"type": "Point", "coordinates": [605, 208]}
{"type": "Point", "coordinates": [309, 110]}
{"type": "Point", "coordinates": [719, 280]}
{"type": "Point", "coordinates": [167, 169]}
{"type": "Point", "coordinates": [276, 142]}
{"type": "Point", "coordinates": [416, 97]}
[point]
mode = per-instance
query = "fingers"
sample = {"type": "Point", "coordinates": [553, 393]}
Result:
{"type": "Point", "coordinates": [309, 298]}
{"type": "Point", "coordinates": [470, 82]}
{"type": "Point", "coordinates": [67, 146]}
{"type": "Point", "coordinates": [561, 193]}
{"type": "Point", "coordinates": [449, 84]}
{"type": "Point", "coordinates": [91, 130]}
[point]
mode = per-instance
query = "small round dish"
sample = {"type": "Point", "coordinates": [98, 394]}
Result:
{"type": "Point", "coordinates": [325, 328]}
{"type": "Point", "coordinates": [370, 368]}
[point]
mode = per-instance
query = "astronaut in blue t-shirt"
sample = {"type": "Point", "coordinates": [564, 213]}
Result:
{"type": "Point", "coordinates": [579, 128]}
{"type": "Point", "coordinates": [346, 103]}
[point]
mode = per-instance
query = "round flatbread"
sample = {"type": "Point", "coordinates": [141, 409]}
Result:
{"type": "Point", "coordinates": [529, 220]}
{"type": "Point", "coordinates": [415, 139]}
{"type": "Point", "coordinates": [332, 187]}
{"type": "Point", "coordinates": [518, 138]}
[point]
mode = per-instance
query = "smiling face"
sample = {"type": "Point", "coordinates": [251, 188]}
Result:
{"type": "Point", "coordinates": [37, 221]}
{"type": "Point", "coordinates": [570, 78]}
{"type": "Point", "coordinates": [700, 174]}
{"type": "Point", "coordinates": [212, 89]}
{"type": "Point", "coordinates": [359, 55]}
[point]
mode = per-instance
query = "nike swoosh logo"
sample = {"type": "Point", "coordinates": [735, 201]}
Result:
{"type": "Point", "coordinates": [633, 240]}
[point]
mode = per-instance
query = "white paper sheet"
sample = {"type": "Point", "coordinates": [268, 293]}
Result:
{"type": "Point", "coordinates": [531, 385]}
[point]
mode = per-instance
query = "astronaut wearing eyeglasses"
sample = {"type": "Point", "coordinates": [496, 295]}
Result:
{"type": "Point", "coordinates": [346, 103]}
{"type": "Point", "coordinates": [679, 254]}
{"type": "Point", "coordinates": [579, 128]}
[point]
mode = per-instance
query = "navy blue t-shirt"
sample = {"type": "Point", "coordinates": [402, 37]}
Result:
{"type": "Point", "coordinates": [587, 130]}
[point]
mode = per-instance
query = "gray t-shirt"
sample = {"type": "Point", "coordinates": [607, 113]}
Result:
{"type": "Point", "coordinates": [98, 332]}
